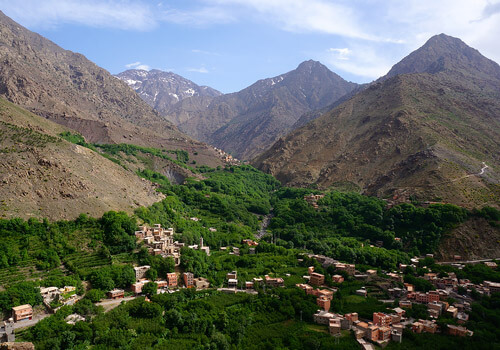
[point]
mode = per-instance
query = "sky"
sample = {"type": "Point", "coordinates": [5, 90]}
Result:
{"type": "Point", "coordinates": [230, 44]}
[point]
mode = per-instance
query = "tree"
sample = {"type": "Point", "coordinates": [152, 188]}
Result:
{"type": "Point", "coordinates": [150, 289]}
{"type": "Point", "coordinates": [118, 231]}
{"type": "Point", "coordinates": [95, 295]}
{"type": "Point", "coordinates": [152, 274]}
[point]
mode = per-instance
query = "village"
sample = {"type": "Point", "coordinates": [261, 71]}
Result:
{"type": "Point", "coordinates": [388, 326]}
{"type": "Point", "coordinates": [379, 330]}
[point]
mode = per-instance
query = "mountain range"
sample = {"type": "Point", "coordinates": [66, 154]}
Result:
{"type": "Point", "coordinates": [430, 129]}
{"type": "Point", "coordinates": [70, 90]}
{"type": "Point", "coordinates": [243, 123]}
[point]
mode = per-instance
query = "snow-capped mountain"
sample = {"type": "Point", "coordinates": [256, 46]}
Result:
{"type": "Point", "coordinates": [161, 90]}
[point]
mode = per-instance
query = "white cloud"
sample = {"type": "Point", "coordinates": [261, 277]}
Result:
{"type": "Point", "coordinates": [138, 65]}
{"type": "Point", "coordinates": [386, 29]}
{"type": "Point", "coordinates": [202, 16]}
{"type": "Point", "coordinates": [122, 14]}
{"type": "Point", "coordinates": [131, 65]}
{"type": "Point", "coordinates": [94, 13]}
{"type": "Point", "coordinates": [340, 54]}
{"type": "Point", "coordinates": [198, 70]}
{"type": "Point", "coordinates": [309, 16]}
{"type": "Point", "coordinates": [360, 60]}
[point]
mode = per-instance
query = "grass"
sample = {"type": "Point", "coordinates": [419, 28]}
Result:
{"type": "Point", "coordinates": [354, 299]}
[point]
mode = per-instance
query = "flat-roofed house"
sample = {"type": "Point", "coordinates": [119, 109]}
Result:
{"type": "Point", "coordinates": [22, 312]}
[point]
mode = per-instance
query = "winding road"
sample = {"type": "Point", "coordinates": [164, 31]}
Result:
{"type": "Point", "coordinates": [481, 172]}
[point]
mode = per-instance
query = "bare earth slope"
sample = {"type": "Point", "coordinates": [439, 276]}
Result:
{"type": "Point", "coordinates": [65, 87]}
{"type": "Point", "coordinates": [425, 133]}
{"type": "Point", "coordinates": [247, 122]}
{"type": "Point", "coordinates": [42, 175]}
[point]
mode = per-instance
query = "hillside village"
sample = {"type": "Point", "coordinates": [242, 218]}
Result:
{"type": "Point", "coordinates": [450, 299]}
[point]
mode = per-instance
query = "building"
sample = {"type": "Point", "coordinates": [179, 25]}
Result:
{"type": "Point", "coordinates": [250, 243]}
{"type": "Point", "coordinates": [307, 288]}
{"type": "Point", "coordinates": [161, 284]}
{"type": "Point", "coordinates": [397, 333]}
{"type": "Point", "coordinates": [317, 279]}
{"type": "Point", "coordinates": [312, 199]}
{"type": "Point", "coordinates": [362, 292]}
{"type": "Point", "coordinates": [338, 278]}
{"type": "Point", "coordinates": [349, 268]}
{"type": "Point", "coordinates": [137, 286]}
{"type": "Point", "coordinates": [424, 326]}
{"type": "Point", "coordinates": [188, 279]}
{"type": "Point", "coordinates": [381, 319]}
{"type": "Point", "coordinates": [249, 285]}
{"type": "Point", "coordinates": [323, 302]}
{"type": "Point", "coordinates": [323, 317]}
{"type": "Point", "coordinates": [491, 264]}
{"type": "Point", "coordinates": [372, 333]}
{"type": "Point", "coordinates": [494, 287]}
{"type": "Point", "coordinates": [172, 279]}
{"type": "Point", "coordinates": [232, 275]}
{"type": "Point", "coordinates": [334, 326]}
{"type": "Point", "coordinates": [116, 294]}
{"type": "Point", "coordinates": [22, 312]}
{"type": "Point", "coordinates": [458, 331]}
{"type": "Point", "coordinates": [323, 293]}
{"type": "Point", "coordinates": [410, 288]}
{"type": "Point", "coordinates": [257, 281]}
{"type": "Point", "coordinates": [274, 282]}
{"type": "Point", "coordinates": [361, 329]}
{"type": "Point", "coordinates": [201, 283]}
{"type": "Point", "coordinates": [351, 317]}
{"type": "Point", "coordinates": [452, 311]}
{"type": "Point", "coordinates": [160, 241]}
{"type": "Point", "coordinates": [405, 304]}
{"type": "Point", "coordinates": [140, 272]}
{"type": "Point", "coordinates": [384, 333]}
{"type": "Point", "coordinates": [462, 317]}
{"type": "Point", "coordinates": [232, 283]}
{"type": "Point", "coordinates": [427, 297]}
{"type": "Point", "coordinates": [435, 308]}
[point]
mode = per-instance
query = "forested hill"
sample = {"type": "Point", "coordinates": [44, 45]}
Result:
{"type": "Point", "coordinates": [228, 205]}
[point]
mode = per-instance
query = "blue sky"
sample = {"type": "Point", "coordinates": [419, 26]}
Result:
{"type": "Point", "coordinates": [229, 44]}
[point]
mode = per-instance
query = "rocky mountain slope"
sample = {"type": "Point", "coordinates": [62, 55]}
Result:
{"type": "Point", "coordinates": [247, 122]}
{"type": "Point", "coordinates": [42, 175]}
{"type": "Point", "coordinates": [424, 130]}
{"type": "Point", "coordinates": [161, 90]}
{"type": "Point", "coordinates": [68, 89]}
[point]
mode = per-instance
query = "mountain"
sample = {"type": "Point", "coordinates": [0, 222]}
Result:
{"type": "Point", "coordinates": [425, 130]}
{"type": "Point", "coordinates": [443, 53]}
{"type": "Point", "coordinates": [42, 175]}
{"type": "Point", "coordinates": [161, 90]}
{"type": "Point", "coordinates": [68, 89]}
{"type": "Point", "coordinates": [247, 122]}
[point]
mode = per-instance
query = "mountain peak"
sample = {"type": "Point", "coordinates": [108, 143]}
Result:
{"type": "Point", "coordinates": [446, 53]}
{"type": "Point", "coordinates": [309, 65]}
{"type": "Point", "coordinates": [161, 89]}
